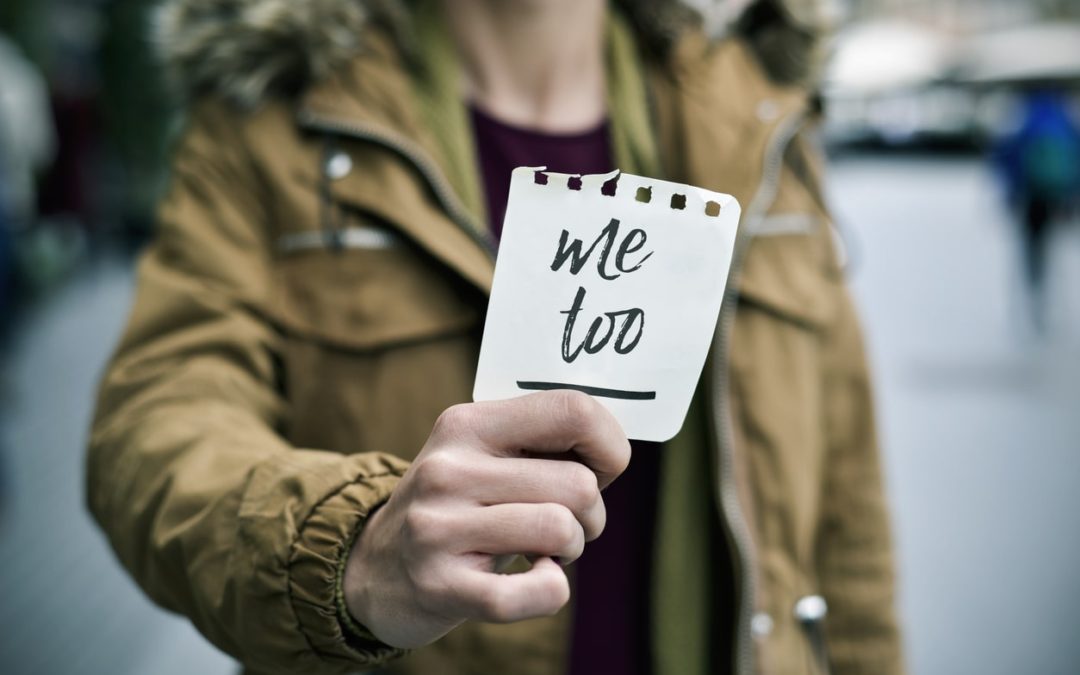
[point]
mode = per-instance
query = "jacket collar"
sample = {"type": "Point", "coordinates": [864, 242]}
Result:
{"type": "Point", "coordinates": [248, 51]}
{"type": "Point", "coordinates": [372, 102]}
{"type": "Point", "coordinates": [714, 110]}
{"type": "Point", "coordinates": [716, 113]}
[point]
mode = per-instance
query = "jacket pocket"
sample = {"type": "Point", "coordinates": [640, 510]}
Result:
{"type": "Point", "coordinates": [366, 290]}
{"type": "Point", "coordinates": [791, 269]}
{"type": "Point", "coordinates": [378, 339]}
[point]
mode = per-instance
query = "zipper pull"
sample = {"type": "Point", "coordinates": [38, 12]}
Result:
{"type": "Point", "coordinates": [336, 165]}
{"type": "Point", "coordinates": [810, 612]}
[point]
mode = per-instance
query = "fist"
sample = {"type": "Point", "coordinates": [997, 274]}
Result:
{"type": "Point", "coordinates": [495, 479]}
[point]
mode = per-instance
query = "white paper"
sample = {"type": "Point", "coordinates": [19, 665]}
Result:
{"type": "Point", "coordinates": [663, 300]}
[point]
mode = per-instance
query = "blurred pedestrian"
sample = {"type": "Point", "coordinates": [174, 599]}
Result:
{"type": "Point", "coordinates": [1041, 165]}
{"type": "Point", "coordinates": [27, 145]}
{"type": "Point", "coordinates": [283, 447]}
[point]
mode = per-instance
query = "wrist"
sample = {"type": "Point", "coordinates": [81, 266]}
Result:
{"type": "Point", "coordinates": [354, 581]}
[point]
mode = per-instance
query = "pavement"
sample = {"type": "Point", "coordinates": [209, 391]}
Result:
{"type": "Point", "coordinates": [979, 418]}
{"type": "Point", "coordinates": [67, 606]}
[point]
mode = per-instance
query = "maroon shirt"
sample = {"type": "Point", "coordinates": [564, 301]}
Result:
{"type": "Point", "coordinates": [612, 577]}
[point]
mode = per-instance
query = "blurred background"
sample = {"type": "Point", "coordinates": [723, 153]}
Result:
{"type": "Point", "coordinates": [951, 127]}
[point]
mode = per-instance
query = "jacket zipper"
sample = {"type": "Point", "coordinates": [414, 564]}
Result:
{"type": "Point", "coordinates": [730, 508]}
{"type": "Point", "coordinates": [431, 174]}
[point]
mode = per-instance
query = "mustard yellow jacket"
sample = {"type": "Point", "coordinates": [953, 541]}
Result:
{"type": "Point", "coordinates": [314, 299]}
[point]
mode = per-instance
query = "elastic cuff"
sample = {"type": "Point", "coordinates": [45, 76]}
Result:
{"type": "Point", "coordinates": [316, 563]}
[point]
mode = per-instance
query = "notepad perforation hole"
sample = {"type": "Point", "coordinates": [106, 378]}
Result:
{"type": "Point", "coordinates": [610, 187]}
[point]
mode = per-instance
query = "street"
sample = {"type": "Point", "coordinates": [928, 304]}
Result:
{"type": "Point", "coordinates": [979, 419]}
{"type": "Point", "coordinates": [978, 416]}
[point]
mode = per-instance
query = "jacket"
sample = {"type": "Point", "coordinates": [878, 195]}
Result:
{"type": "Point", "coordinates": [314, 299]}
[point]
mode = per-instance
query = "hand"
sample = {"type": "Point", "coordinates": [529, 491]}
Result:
{"type": "Point", "coordinates": [520, 476]}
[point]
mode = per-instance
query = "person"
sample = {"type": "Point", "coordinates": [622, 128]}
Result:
{"type": "Point", "coordinates": [1040, 164]}
{"type": "Point", "coordinates": [27, 146]}
{"type": "Point", "coordinates": [284, 450]}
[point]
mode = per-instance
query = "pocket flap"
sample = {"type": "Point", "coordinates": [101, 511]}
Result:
{"type": "Point", "coordinates": [370, 297]}
{"type": "Point", "coordinates": [791, 273]}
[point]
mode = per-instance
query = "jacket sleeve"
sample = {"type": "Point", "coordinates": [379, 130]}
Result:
{"type": "Point", "coordinates": [206, 505]}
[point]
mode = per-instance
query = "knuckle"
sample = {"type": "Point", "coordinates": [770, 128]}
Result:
{"type": "Point", "coordinates": [623, 457]}
{"type": "Point", "coordinates": [495, 604]}
{"type": "Point", "coordinates": [558, 525]}
{"type": "Point", "coordinates": [578, 410]}
{"type": "Point", "coordinates": [440, 472]}
{"type": "Point", "coordinates": [422, 526]}
{"type": "Point", "coordinates": [557, 590]}
{"type": "Point", "coordinates": [430, 588]}
{"type": "Point", "coordinates": [597, 523]}
{"type": "Point", "coordinates": [619, 453]}
{"type": "Point", "coordinates": [454, 421]}
{"type": "Point", "coordinates": [582, 487]}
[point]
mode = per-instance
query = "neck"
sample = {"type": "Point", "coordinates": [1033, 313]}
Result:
{"type": "Point", "coordinates": [532, 63]}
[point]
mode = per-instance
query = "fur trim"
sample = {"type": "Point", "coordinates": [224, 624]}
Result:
{"type": "Point", "coordinates": [785, 34]}
{"type": "Point", "coordinates": [249, 50]}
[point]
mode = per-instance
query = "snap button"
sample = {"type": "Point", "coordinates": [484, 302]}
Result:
{"type": "Point", "coordinates": [768, 110]}
{"type": "Point", "coordinates": [338, 165]}
{"type": "Point", "coordinates": [811, 609]}
{"type": "Point", "coordinates": [761, 625]}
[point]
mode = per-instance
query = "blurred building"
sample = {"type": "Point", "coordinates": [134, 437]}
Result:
{"type": "Point", "coordinates": [945, 71]}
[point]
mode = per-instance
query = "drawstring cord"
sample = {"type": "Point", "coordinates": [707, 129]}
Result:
{"type": "Point", "coordinates": [331, 216]}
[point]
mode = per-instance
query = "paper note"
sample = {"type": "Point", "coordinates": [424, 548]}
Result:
{"type": "Point", "coordinates": [611, 285]}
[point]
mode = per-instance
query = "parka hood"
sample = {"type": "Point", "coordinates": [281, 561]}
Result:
{"type": "Point", "coordinates": [248, 50]}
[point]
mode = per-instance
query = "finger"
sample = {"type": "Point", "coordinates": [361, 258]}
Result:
{"type": "Point", "coordinates": [505, 598]}
{"type": "Point", "coordinates": [550, 421]}
{"type": "Point", "coordinates": [538, 481]}
{"type": "Point", "coordinates": [527, 529]}
{"type": "Point", "coordinates": [485, 480]}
